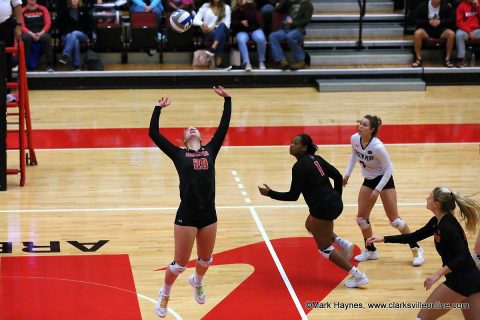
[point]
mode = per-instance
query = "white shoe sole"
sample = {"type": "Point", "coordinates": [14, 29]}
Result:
{"type": "Point", "coordinates": [360, 283]}
{"type": "Point", "coordinates": [365, 259]}
{"type": "Point", "coordinates": [160, 314]}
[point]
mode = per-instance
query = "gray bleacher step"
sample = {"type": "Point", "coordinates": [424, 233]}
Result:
{"type": "Point", "coordinates": [350, 5]}
{"type": "Point", "coordinates": [361, 85]}
{"type": "Point", "coordinates": [359, 57]}
{"type": "Point", "coordinates": [391, 17]}
{"type": "Point", "coordinates": [312, 44]}
{"type": "Point", "coordinates": [350, 30]}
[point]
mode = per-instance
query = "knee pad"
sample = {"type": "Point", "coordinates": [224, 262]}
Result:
{"type": "Point", "coordinates": [175, 268]}
{"type": "Point", "coordinates": [398, 223]}
{"type": "Point", "coordinates": [326, 252]}
{"type": "Point", "coordinates": [364, 224]}
{"type": "Point", "coordinates": [204, 263]}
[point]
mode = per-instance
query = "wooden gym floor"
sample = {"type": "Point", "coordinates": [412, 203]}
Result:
{"type": "Point", "coordinates": [99, 178]}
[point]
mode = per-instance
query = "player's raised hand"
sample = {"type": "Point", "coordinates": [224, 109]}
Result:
{"type": "Point", "coordinates": [164, 102]}
{"type": "Point", "coordinates": [221, 91]}
{"type": "Point", "coordinates": [264, 190]}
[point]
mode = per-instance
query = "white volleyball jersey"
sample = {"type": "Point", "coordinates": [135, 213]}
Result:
{"type": "Point", "coordinates": [373, 159]}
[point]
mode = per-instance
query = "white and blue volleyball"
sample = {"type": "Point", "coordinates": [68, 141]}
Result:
{"type": "Point", "coordinates": [180, 20]}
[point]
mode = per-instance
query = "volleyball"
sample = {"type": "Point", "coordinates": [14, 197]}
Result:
{"type": "Point", "coordinates": [180, 21]}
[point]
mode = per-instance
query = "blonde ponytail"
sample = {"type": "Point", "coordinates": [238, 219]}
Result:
{"type": "Point", "coordinates": [468, 207]}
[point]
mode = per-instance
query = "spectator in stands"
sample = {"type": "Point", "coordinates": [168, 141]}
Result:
{"type": "Point", "coordinates": [266, 8]}
{"type": "Point", "coordinates": [297, 16]}
{"type": "Point", "coordinates": [433, 19]}
{"type": "Point", "coordinates": [10, 28]}
{"type": "Point", "coordinates": [246, 24]}
{"type": "Point", "coordinates": [214, 19]}
{"type": "Point", "coordinates": [154, 6]}
{"type": "Point", "coordinates": [187, 5]}
{"type": "Point", "coordinates": [75, 25]}
{"type": "Point", "coordinates": [35, 28]}
{"type": "Point", "coordinates": [468, 24]}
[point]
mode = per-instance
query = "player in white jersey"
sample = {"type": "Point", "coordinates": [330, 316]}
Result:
{"type": "Point", "coordinates": [377, 170]}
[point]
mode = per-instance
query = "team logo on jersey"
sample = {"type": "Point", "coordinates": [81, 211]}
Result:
{"type": "Point", "coordinates": [203, 153]}
{"type": "Point", "coordinates": [437, 238]}
{"type": "Point", "coordinates": [369, 152]}
{"type": "Point", "coordinates": [362, 156]}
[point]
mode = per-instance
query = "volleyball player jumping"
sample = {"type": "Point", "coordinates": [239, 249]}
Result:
{"type": "Point", "coordinates": [311, 176]}
{"type": "Point", "coordinates": [377, 170]}
{"type": "Point", "coordinates": [462, 282]}
{"type": "Point", "coordinates": [196, 217]}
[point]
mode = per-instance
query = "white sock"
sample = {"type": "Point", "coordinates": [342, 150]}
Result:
{"type": "Point", "coordinates": [166, 289]}
{"type": "Point", "coordinates": [197, 279]}
{"type": "Point", "coordinates": [355, 272]}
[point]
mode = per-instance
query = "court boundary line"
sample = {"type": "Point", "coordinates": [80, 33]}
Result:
{"type": "Point", "coordinates": [257, 147]}
{"type": "Point", "coordinates": [293, 206]}
{"type": "Point", "coordinates": [271, 249]}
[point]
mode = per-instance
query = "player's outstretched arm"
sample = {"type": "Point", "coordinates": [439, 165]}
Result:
{"type": "Point", "coordinates": [162, 142]}
{"type": "Point", "coordinates": [222, 129]}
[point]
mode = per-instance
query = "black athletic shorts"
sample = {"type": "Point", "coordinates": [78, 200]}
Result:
{"type": "Point", "coordinates": [434, 32]}
{"type": "Point", "coordinates": [331, 212]}
{"type": "Point", "coordinates": [465, 283]}
{"type": "Point", "coordinates": [187, 216]}
{"type": "Point", "coordinates": [372, 184]}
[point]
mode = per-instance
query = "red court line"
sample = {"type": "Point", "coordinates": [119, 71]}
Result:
{"type": "Point", "coordinates": [250, 136]}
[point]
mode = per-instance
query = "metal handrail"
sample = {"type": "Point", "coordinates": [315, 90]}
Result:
{"type": "Point", "coordinates": [362, 4]}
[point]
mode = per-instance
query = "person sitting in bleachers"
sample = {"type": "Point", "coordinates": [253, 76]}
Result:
{"type": "Point", "coordinates": [187, 5]}
{"type": "Point", "coordinates": [298, 15]}
{"type": "Point", "coordinates": [154, 6]}
{"type": "Point", "coordinates": [468, 24]}
{"type": "Point", "coordinates": [434, 19]}
{"type": "Point", "coordinates": [246, 24]}
{"type": "Point", "coordinates": [75, 25]}
{"type": "Point", "coordinates": [35, 28]}
{"type": "Point", "coordinates": [214, 18]}
{"type": "Point", "coordinates": [266, 9]}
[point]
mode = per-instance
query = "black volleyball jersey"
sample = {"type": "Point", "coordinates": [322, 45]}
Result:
{"type": "Point", "coordinates": [196, 169]}
{"type": "Point", "coordinates": [311, 177]}
{"type": "Point", "coordinates": [450, 242]}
